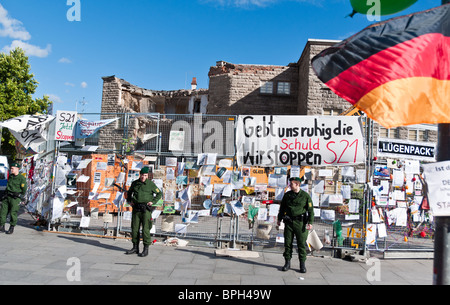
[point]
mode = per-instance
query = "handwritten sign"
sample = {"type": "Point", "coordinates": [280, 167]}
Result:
{"type": "Point", "coordinates": [299, 140]}
{"type": "Point", "coordinates": [30, 130]}
{"type": "Point", "coordinates": [86, 129]}
{"type": "Point", "coordinates": [176, 140]}
{"type": "Point", "coordinates": [437, 177]}
{"type": "Point", "coordinates": [65, 125]}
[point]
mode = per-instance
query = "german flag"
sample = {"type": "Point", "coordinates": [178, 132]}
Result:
{"type": "Point", "coordinates": [396, 71]}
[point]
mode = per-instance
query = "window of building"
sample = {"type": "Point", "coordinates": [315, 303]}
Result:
{"type": "Point", "coordinates": [384, 133]}
{"type": "Point", "coordinates": [266, 88]}
{"type": "Point", "coordinates": [391, 133]}
{"type": "Point", "coordinates": [284, 88]}
{"type": "Point", "coordinates": [417, 135]}
{"type": "Point", "coordinates": [197, 104]}
{"type": "Point", "coordinates": [412, 135]}
{"type": "Point", "coordinates": [422, 135]}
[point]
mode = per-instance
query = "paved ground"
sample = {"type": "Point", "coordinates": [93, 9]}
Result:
{"type": "Point", "coordinates": [35, 257]}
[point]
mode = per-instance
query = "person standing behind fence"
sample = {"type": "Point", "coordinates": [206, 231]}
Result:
{"type": "Point", "coordinates": [297, 213]}
{"type": "Point", "coordinates": [14, 194]}
{"type": "Point", "coordinates": [142, 194]}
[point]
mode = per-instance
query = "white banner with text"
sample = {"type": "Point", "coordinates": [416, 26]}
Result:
{"type": "Point", "coordinates": [280, 140]}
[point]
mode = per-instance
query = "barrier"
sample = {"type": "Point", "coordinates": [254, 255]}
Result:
{"type": "Point", "coordinates": [400, 211]}
{"type": "Point", "coordinates": [214, 213]}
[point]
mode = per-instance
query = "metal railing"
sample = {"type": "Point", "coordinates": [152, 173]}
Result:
{"type": "Point", "coordinates": [139, 136]}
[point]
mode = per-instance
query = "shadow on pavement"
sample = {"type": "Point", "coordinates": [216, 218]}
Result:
{"type": "Point", "coordinates": [94, 243]}
{"type": "Point", "coordinates": [229, 258]}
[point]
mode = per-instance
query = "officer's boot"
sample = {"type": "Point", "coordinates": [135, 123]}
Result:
{"type": "Point", "coordinates": [144, 252]}
{"type": "Point", "coordinates": [2, 229]}
{"type": "Point", "coordinates": [287, 265]}
{"type": "Point", "coordinates": [133, 250]}
{"type": "Point", "coordinates": [302, 267]}
{"type": "Point", "coordinates": [11, 230]}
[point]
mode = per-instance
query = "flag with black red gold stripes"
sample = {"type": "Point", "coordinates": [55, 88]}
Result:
{"type": "Point", "coordinates": [396, 71]}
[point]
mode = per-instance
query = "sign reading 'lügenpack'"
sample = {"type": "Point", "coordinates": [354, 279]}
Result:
{"type": "Point", "coordinates": [406, 149]}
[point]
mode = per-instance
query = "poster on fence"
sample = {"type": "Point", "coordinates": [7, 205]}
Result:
{"type": "Point", "coordinates": [438, 182]}
{"type": "Point", "coordinates": [65, 125]}
{"type": "Point", "coordinates": [272, 140]}
{"type": "Point", "coordinates": [86, 129]}
{"type": "Point", "coordinates": [30, 130]}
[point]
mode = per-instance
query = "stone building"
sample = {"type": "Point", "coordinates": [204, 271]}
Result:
{"type": "Point", "coordinates": [280, 90]}
{"type": "Point", "coordinates": [315, 98]}
{"type": "Point", "coordinates": [252, 89]}
{"type": "Point", "coordinates": [119, 96]}
{"type": "Point", "coordinates": [293, 89]}
{"type": "Point", "coordinates": [237, 89]}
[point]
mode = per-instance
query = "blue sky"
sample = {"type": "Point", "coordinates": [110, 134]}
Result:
{"type": "Point", "coordinates": [161, 45]}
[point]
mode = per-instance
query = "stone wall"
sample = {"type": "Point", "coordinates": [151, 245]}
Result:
{"type": "Point", "coordinates": [119, 96]}
{"type": "Point", "coordinates": [111, 103]}
{"type": "Point", "coordinates": [314, 96]}
{"type": "Point", "coordinates": [235, 89]}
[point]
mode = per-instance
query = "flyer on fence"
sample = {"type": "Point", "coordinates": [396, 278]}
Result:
{"type": "Point", "coordinates": [437, 177]}
{"type": "Point", "coordinates": [280, 140]}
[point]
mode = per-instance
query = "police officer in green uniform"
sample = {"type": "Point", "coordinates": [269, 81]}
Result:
{"type": "Point", "coordinates": [297, 213]}
{"type": "Point", "coordinates": [142, 194]}
{"type": "Point", "coordinates": [14, 194]}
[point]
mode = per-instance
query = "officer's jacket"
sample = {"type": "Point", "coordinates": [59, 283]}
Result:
{"type": "Point", "coordinates": [296, 204]}
{"type": "Point", "coordinates": [17, 184]}
{"type": "Point", "coordinates": [143, 192]}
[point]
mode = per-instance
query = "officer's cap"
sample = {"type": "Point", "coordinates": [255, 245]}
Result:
{"type": "Point", "coordinates": [295, 179]}
{"type": "Point", "coordinates": [15, 164]}
{"type": "Point", "coordinates": [145, 170]}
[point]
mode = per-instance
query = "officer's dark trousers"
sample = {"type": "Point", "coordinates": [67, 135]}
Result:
{"type": "Point", "coordinates": [138, 219]}
{"type": "Point", "coordinates": [297, 229]}
{"type": "Point", "coordinates": [9, 205]}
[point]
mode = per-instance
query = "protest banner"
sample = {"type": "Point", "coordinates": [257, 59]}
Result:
{"type": "Point", "coordinates": [85, 128]}
{"type": "Point", "coordinates": [396, 148]}
{"type": "Point", "coordinates": [438, 182]}
{"type": "Point", "coordinates": [30, 130]}
{"type": "Point", "coordinates": [65, 125]}
{"type": "Point", "coordinates": [263, 140]}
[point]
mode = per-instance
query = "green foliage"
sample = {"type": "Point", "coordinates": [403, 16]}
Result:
{"type": "Point", "coordinates": [17, 85]}
{"type": "Point", "coordinates": [128, 145]}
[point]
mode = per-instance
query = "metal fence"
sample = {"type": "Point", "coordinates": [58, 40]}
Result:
{"type": "Point", "coordinates": [408, 221]}
{"type": "Point", "coordinates": [39, 171]}
{"type": "Point", "coordinates": [145, 138]}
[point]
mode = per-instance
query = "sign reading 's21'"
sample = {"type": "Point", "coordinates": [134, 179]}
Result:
{"type": "Point", "coordinates": [279, 140]}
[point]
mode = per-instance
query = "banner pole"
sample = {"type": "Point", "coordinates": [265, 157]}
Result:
{"type": "Point", "coordinates": [441, 275]}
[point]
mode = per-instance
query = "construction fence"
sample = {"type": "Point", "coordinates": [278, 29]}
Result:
{"type": "Point", "coordinates": [79, 187]}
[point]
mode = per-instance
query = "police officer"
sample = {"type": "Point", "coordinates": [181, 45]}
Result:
{"type": "Point", "coordinates": [14, 194]}
{"type": "Point", "coordinates": [142, 194]}
{"type": "Point", "coordinates": [297, 213]}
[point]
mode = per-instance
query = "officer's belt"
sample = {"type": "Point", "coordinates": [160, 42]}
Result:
{"type": "Point", "coordinates": [141, 207]}
{"type": "Point", "coordinates": [301, 217]}
{"type": "Point", "coordinates": [13, 194]}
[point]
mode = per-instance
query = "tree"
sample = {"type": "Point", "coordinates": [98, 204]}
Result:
{"type": "Point", "coordinates": [17, 85]}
